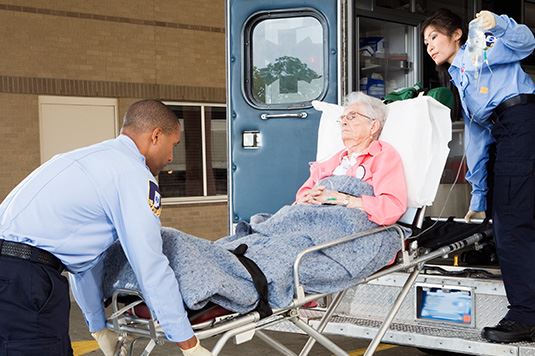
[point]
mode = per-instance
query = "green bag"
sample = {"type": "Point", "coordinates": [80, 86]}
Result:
{"type": "Point", "coordinates": [403, 93]}
{"type": "Point", "coordinates": [443, 95]}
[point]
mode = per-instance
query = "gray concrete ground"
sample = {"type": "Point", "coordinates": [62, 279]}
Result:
{"type": "Point", "coordinates": [256, 347]}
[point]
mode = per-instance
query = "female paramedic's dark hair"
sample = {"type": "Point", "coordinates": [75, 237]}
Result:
{"type": "Point", "coordinates": [446, 22]}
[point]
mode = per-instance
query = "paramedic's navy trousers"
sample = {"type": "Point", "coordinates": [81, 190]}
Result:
{"type": "Point", "coordinates": [514, 208]}
{"type": "Point", "coordinates": [34, 309]}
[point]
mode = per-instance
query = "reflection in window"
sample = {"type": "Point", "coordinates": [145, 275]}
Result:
{"type": "Point", "coordinates": [287, 60]}
{"type": "Point", "coordinates": [216, 149]}
{"type": "Point", "coordinates": [189, 175]}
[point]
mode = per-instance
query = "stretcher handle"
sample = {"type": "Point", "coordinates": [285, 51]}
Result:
{"type": "Point", "coordinates": [124, 309]}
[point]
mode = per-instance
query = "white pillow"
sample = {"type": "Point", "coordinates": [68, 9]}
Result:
{"type": "Point", "coordinates": [419, 129]}
{"type": "Point", "coordinates": [329, 132]}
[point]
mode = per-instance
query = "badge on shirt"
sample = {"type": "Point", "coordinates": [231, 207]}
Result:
{"type": "Point", "coordinates": [490, 39]}
{"type": "Point", "coordinates": [360, 172]}
{"type": "Point", "coordinates": [155, 198]}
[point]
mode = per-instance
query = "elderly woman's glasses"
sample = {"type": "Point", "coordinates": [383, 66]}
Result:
{"type": "Point", "coordinates": [350, 116]}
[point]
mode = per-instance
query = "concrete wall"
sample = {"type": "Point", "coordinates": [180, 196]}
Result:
{"type": "Point", "coordinates": [126, 49]}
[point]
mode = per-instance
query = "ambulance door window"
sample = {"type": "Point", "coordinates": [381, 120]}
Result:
{"type": "Point", "coordinates": [286, 60]}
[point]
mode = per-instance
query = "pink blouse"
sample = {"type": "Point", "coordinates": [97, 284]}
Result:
{"type": "Point", "coordinates": [381, 167]}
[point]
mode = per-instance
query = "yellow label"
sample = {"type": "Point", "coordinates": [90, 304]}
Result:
{"type": "Point", "coordinates": [484, 90]}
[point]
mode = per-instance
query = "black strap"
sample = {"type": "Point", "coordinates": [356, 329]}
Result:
{"type": "Point", "coordinates": [259, 280]}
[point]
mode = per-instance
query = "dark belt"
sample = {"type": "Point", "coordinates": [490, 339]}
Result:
{"type": "Point", "coordinates": [30, 253]}
{"type": "Point", "coordinates": [521, 99]}
{"type": "Point", "coordinates": [259, 280]}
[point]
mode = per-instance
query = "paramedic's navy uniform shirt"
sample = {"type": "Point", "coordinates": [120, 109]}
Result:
{"type": "Point", "coordinates": [480, 96]}
{"type": "Point", "coordinates": [77, 204]}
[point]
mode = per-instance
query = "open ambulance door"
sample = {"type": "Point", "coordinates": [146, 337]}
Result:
{"type": "Point", "coordinates": [281, 55]}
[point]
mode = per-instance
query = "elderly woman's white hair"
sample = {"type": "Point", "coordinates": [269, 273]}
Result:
{"type": "Point", "coordinates": [371, 107]}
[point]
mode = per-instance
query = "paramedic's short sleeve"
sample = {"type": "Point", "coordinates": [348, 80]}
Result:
{"type": "Point", "coordinates": [134, 206]}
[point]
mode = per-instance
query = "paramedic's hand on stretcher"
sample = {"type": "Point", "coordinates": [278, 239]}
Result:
{"type": "Point", "coordinates": [107, 341]}
{"type": "Point", "coordinates": [196, 350]}
{"type": "Point", "coordinates": [474, 215]}
{"type": "Point", "coordinates": [486, 19]}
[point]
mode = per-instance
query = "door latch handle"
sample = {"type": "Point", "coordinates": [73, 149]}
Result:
{"type": "Point", "coordinates": [302, 115]}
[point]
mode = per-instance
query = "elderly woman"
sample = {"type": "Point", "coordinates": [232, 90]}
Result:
{"type": "Point", "coordinates": [365, 157]}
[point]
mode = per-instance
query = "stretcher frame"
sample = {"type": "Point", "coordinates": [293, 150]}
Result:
{"type": "Point", "coordinates": [244, 327]}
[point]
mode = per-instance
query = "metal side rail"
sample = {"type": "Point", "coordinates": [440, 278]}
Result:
{"type": "Point", "coordinates": [408, 262]}
{"type": "Point", "coordinates": [241, 327]}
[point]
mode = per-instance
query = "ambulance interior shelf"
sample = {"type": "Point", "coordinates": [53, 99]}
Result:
{"type": "Point", "coordinates": [392, 63]}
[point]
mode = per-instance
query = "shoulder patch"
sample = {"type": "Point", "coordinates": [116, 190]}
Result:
{"type": "Point", "coordinates": [155, 199]}
{"type": "Point", "coordinates": [490, 39]}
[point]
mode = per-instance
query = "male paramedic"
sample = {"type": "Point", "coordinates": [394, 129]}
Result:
{"type": "Point", "coordinates": [65, 214]}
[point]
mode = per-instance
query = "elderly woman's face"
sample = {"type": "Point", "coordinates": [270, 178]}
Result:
{"type": "Point", "coordinates": [357, 127]}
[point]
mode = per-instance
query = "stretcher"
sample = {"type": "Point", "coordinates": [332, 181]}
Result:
{"type": "Point", "coordinates": [134, 322]}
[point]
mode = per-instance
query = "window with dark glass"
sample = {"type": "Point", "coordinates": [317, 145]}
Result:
{"type": "Point", "coordinates": [403, 5]}
{"type": "Point", "coordinates": [199, 166]}
{"type": "Point", "coordinates": [216, 132]}
{"type": "Point", "coordinates": [462, 8]}
{"type": "Point", "coordinates": [286, 60]}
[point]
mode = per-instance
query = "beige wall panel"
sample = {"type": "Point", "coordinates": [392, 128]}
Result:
{"type": "Point", "coordinates": [19, 139]}
{"type": "Point", "coordinates": [67, 123]}
{"type": "Point", "coordinates": [199, 12]}
{"type": "Point", "coordinates": [209, 221]}
{"type": "Point", "coordinates": [190, 58]}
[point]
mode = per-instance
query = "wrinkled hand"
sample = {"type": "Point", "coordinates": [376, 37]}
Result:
{"type": "Point", "coordinates": [474, 215]}
{"type": "Point", "coordinates": [197, 350]}
{"type": "Point", "coordinates": [311, 195]}
{"type": "Point", "coordinates": [106, 340]}
{"type": "Point", "coordinates": [487, 19]}
{"type": "Point", "coordinates": [329, 197]}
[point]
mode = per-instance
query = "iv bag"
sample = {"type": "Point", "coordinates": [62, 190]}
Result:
{"type": "Point", "coordinates": [476, 42]}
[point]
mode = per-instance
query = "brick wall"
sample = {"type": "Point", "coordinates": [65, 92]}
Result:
{"type": "Point", "coordinates": [19, 139]}
{"type": "Point", "coordinates": [127, 49]}
{"type": "Point", "coordinates": [173, 50]}
{"type": "Point", "coordinates": [204, 220]}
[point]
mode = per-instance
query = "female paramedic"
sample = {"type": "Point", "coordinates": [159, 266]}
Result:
{"type": "Point", "coordinates": [498, 103]}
